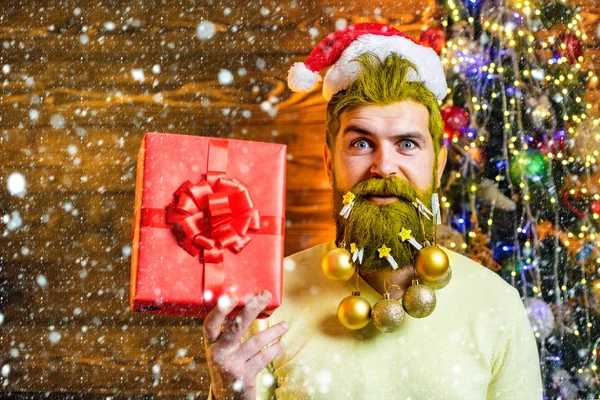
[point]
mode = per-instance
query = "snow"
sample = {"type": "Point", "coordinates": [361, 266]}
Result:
{"type": "Point", "coordinates": [137, 75]}
{"type": "Point", "coordinates": [206, 30]}
{"type": "Point", "coordinates": [54, 337]}
{"type": "Point", "coordinates": [268, 379]}
{"type": "Point", "coordinates": [16, 184]}
{"type": "Point", "coordinates": [341, 23]}
{"type": "Point", "coordinates": [224, 302]}
{"type": "Point", "coordinates": [12, 221]}
{"type": "Point", "coordinates": [42, 281]}
{"type": "Point", "coordinates": [238, 385]}
{"type": "Point", "coordinates": [6, 69]}
{"type": "Point", "coordinates": [225, 77]}
{"type": "Point", "coordinates": [57, 121]}
{"type": "Point", "coordinates": [289, 264]}
{"type": "Point", "coordinates": [5, 370]}
{"type": "Point", "coordinates": [34, 114]}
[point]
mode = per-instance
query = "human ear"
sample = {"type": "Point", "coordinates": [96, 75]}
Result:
{"type": "Point", "coordinates": [442, 158]}
{"type": "Point", "coordinates": [327, 161]}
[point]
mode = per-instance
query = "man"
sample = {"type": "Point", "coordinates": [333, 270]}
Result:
{"type": "Point", "coordinates": [383, 145]}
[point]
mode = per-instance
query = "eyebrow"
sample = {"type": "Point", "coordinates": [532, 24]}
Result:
{"type": "Point", "coordinates": [414, 135]}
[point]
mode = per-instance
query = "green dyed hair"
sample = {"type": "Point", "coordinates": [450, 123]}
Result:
{"type": "Point", "coordinates": [382, 83]}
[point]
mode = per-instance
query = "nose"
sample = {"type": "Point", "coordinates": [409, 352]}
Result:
{"type": "Point", "coordinates": [384, 162]}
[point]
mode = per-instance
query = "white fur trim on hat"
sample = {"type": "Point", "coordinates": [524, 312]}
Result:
{"type": "Point", "coordinates": [428, 64]}
{"type": "Point", "coordinates": [302, 79]}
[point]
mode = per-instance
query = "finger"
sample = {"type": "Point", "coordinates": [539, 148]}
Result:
{"type": "Point", "coordinates": [256, 343]}
{"type": "Point", "coordinates": [215, 318]}
{"type": "Point", "coordinates": [236, 331]}
{"type": "Point", "coordinates": [263, 358]}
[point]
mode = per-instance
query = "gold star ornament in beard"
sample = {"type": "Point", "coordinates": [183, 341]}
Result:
{"type": "Point", "coordinates": [372, 224]}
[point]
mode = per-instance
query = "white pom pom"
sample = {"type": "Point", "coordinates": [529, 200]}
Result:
{"type": "Point", "coordinates": [302, 79]}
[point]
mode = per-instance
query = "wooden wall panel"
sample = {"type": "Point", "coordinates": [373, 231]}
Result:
{"type": "Point", "coordinates": [81, 82]}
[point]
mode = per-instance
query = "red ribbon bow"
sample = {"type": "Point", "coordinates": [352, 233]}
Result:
{"type": "Point", "coordinates": [213, 218]}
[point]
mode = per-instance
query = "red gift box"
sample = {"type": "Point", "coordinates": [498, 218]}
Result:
{"type": "Point", "coordinates": [209, 220]}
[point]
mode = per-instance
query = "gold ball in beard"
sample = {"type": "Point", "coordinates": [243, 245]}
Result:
{"type": "Point", "coordinates": [354, 312]}
{"type": "Point", "coordinates": [337, 265]}
{"type": "Point", "coordinates": [419, 301]}
{"type": "Point", "coordinates": [431, 263]}
{"type": "Point", "coordinates": [440, 283]}
{"type": "Point", "coordinates": [387, 315]}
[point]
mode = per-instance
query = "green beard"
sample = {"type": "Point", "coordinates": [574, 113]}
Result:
{"type": "Point", "coordinates": [370, 225]}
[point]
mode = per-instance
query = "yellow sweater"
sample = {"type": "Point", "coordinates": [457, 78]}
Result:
{"type": "Point", "coordinates": [477, 344]}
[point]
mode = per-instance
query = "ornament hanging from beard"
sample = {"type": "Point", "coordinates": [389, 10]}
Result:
{"type": "Point", "coordinates": [369, 225]}
{"type": "Point", "coordinates": [386, 223]}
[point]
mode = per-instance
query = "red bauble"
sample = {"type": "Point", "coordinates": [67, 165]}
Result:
{"type": "Point", "coordinates": [573, 49]}
{"type": "Point", "coordinates": [595, 206]}
{"type": "Point", "coordinates": [456, 120]}
{"type": "Point", "coordinates": [434, 38]}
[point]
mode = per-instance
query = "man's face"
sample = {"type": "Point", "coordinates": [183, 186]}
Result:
{"type": "Point", "coordinates": [385, 155]}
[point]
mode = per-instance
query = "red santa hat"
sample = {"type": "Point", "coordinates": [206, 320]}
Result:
{"type": "Point", "coordinates": [340, 49]}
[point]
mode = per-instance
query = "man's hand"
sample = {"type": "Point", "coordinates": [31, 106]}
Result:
{"type": "Point", "coordinates": [234, 364]}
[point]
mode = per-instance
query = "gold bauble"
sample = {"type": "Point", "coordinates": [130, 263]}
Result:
{"type": "Point", "coordinates": [387, 315]}
{"type": "Point", "coordinates": [354, 312]}
{"type": "Point", "coordinates": [431, 263]}
{"type": "Point", "coordinates": [337, 265]}
{"type": "Point", "coordinates": [419, 301]}
{"type": "Point", "coordinates": [440, 283]}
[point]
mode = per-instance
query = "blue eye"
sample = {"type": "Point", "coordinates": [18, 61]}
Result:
{"type": "Point", "coordinates": [360, 144]}
{"type": "Point", "coordinates": [407, 144]}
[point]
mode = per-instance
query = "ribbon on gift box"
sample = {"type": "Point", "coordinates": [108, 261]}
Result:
{"type": "Point", "coordinates": [213, 215]}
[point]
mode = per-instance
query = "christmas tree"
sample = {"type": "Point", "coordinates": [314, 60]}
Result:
{"type": "Point", "coordinates": [521, 189]}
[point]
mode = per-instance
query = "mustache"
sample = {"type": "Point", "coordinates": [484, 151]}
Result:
{"type": "Point", "coordinates": [385, 187]}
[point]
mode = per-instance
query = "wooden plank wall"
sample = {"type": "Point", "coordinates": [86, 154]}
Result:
{"type": "Point", "coordinates": [81, 82]}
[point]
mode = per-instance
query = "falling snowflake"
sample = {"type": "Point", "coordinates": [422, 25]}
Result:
{"type": "Point", "coordinates": [16, 184]}
{"type": "Point", "coordinates": [137, 75]}
{"type": "Point", "coordinates": [57, 121]}
{"type": "Point", "coordinates": [341, 23]}
{"type": "Point", "coordinates": [34, 114]}
{"type": "Point", "coordinates": [206, 30]}
{"type": "Point", "coordinates": [13, 222]}
{"type": "Point", "coordinates": [225, 77]}
{"type": "Point", "coordinates": [54, 337]}
{"type": "Point", "coordinates": [42, 281]}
